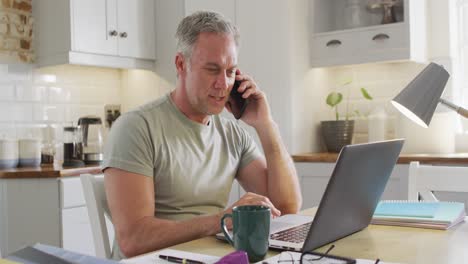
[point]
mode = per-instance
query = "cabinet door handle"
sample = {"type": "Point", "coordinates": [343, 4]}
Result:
{"type": "Point", "coordinates": [333, 43]}
{"type": "Point", "coordinates": [381, 36]}
{"type": "Point", "coordinates": [123, 35]}
{"type": "Point", "coordinates": [113, 33]}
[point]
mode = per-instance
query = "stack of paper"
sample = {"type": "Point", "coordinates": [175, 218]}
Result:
{"type": "Point", "coordinates": [436, 215]}
{"type": "Point", "coordinates": [153, 258]}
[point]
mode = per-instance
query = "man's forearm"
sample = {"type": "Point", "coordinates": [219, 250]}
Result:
{"type": "Point", "coordinates": [150, 233]}
{"type": "Point", "coordinates": [283, 184]}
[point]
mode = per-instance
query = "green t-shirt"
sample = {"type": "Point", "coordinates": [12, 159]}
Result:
{"type": "Point", "coordinates": [193, 165]}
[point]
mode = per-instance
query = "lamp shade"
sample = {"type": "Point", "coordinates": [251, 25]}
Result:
{"type": "Point", "coordinates": [420, 97]}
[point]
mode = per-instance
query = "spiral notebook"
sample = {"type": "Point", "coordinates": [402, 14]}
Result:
{"type": "Point", "coordinates": [436, 215]}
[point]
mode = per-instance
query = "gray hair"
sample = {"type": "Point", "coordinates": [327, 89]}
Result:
{"type": "Point", "coordinates": [202, 21]}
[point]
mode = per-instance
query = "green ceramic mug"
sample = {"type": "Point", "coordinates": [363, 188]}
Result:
{"type": "Point", "coordinates": [251, 230]}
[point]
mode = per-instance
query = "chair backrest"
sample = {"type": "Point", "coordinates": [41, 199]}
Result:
{"type": "Point", "coordinates": [96, 202]}
{"type": "Point", "coordinates": [423, 180]}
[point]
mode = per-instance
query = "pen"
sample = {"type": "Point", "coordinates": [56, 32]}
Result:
{"type": "Point", "coordinates": [180, 260]}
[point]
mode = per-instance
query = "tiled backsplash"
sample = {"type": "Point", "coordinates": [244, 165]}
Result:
{"type": "Point", "coordinates": [31, 98]}
{"type": "Point", "coordinates": [383, 82]}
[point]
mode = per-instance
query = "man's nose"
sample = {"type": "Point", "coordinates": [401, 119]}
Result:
{"type": "Point", "coordinates": [222, 82]}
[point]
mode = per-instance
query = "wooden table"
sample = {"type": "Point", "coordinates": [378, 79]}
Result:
{"type": "Point", "coordinates": [392, 244]}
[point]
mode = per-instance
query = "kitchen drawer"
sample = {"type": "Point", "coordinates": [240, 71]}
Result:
{"type": "Point", "coordinates": [384, 39]}
{"type": "Point", "coordinates": [77, 235]}
{"type": "Point", "coordinates": [71, 193]}
{"type": "Point", "coordinates": [330, 48]}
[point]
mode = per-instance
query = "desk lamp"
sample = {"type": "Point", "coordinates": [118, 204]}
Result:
{"type": "Point", "coordinates": [419, 99]}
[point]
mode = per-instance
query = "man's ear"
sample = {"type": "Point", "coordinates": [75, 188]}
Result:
{"type": "Point", "coordinates": [180, 64]}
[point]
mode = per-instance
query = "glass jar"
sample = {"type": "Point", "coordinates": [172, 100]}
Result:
{"type": "Point", "coordinates": [47, 153]}
{"type": "Point", "coordinates": [48, 147]}
{"type": "Point", "coordinates": [72, 147]}
{"type": "Point", "coordinates": [355, 14]}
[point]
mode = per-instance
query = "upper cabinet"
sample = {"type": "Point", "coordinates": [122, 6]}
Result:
{"type": "Point", "coordinates": [363, 31]}
{"type": "Point", "coordinates": [109, 33]}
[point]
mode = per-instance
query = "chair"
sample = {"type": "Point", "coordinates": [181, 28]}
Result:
{"type": "Point", "coordinates": [96, 202]}
{"type": "Point", "coordinates": [423, 180]}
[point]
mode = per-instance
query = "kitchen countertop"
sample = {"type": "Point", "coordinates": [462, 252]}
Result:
{"type": "Point", "coordinates": [440, 159]}
{"type": "Point", "coordinates": [47, 171]}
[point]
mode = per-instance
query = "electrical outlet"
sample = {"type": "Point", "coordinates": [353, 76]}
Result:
{"type": "Point", "coordinates": [110, 112]}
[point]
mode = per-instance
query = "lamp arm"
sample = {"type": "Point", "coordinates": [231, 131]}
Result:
{"type": "Point", "coordinates": [460, 110]}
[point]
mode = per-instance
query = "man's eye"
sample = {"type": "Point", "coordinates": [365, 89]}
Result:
{"type": "Point", "coordinates": [232, 72]}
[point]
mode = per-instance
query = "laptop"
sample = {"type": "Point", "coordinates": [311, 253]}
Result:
{"type": "Point", "coordinates": [351, 196]}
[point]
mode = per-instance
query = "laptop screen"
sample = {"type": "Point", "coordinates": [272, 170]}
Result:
{"type": "Point", "coordinates": [355, 187]}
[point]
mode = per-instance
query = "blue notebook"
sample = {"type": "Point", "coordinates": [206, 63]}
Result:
{"type": "Point", "coordinates": [410, 209]}
{"type": "Point", "coordinates": [440, 215]}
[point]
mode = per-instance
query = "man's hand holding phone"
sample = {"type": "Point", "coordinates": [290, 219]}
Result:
{"type": "Point", "coordinates": [247, 102]}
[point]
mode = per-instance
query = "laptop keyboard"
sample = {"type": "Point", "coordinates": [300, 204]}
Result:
{"type": "Point", "coordinates": [295, 234]}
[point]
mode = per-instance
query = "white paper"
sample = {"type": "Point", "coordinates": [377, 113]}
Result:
{"type": "Point", "coordinates": [296, 256]}
{"type": "Point", "coordinates": [153, 258]}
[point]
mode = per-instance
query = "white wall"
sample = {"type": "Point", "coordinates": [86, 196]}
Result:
{"type": "Point", "coordinates": [306, 84]}
{"type": "Point", "coordinates": [265, 55]}
{"type": "Point", "coordinates": [140, 86]}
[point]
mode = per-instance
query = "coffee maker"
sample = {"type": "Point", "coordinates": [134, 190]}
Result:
{"type": "Point", "coordinates": [93, 142]}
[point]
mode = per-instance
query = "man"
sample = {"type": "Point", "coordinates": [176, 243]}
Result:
{"type": "Point", "coordinates": [170, 164]}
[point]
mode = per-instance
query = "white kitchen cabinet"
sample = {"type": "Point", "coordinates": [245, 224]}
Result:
{"type": "Point", "coordinates": [93, 25]}
{"type": "Point", "coordinates": [76, 230]}
{"type": "Point", "coordinates": [108, 33]}
{"type": "Point", "coordinates": [45, 210]}
{"type": "Point", "coordinates": [346, 32]}
{"type": "Point", "coordinates": [29, 213]}
{"type": "Point", "coordinates": [314, 177]}
{"type": "Point", "coordinates": [136, 20]}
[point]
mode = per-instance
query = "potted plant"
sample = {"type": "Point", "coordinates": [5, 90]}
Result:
{"type": "Point", "coordinates": [339, 132]}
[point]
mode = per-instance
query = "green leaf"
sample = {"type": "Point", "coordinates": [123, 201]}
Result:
{"type": "Point", "coordinates": [346, 81]}
{"type": "Point", "coordinates": [334, 98]}
{"type": "Point", "coordinates": [366, 94]}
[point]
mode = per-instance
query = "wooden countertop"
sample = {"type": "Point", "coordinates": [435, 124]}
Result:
{"type": "Point", "coordinates": [441, 159]}
{"type": "Point", "coordinates": [47, 171]}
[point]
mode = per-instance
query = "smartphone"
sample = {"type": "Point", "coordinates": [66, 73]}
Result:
{"type": "Point", "coordinates": [238, 104]}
